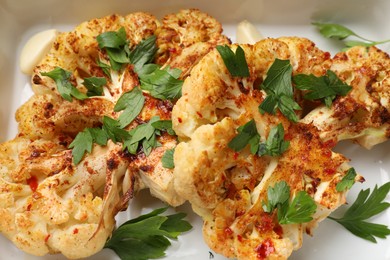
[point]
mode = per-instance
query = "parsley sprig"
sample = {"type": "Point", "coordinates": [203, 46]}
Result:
{"type": "Point", "coordinates": [299, 210]}
{"type": "Point", "coordinates": [247, 134]}
{"type": "Point", "coordinates": [68, 91]}
{"type": "Point", "coordinates": [64, 86]}
{"type": "Point", "coordinates": [84, 140]}
{"type": "Point", "coordinates": [275, 144]}
{"type": "Point", "coordinates": [117, 47]}
{"type": "Point", "coordinates": [278, 87]}
{"type": "Point", "coordinates": [161, 83]}
{"type": "Point", "coordinates": [340, 32]}
{"type": "Point", "coordinates": [148, 236]}
{"type": "Point", "coordinates": [366, 206]}
{"type": "Point", "coordinates": [324, 88]}
{"type": "Point", "coordinates": [144, 134]}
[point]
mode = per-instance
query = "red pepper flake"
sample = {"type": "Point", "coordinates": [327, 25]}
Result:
{"type": "Point", "coordinates": [180, 120]}
{"type": "Point", "coordinates": [266, 224]}
{"type": "Point", "coordinates": [75, 231]}
{"type": "Point", "coordinates": [47, 238]}
{"type": "Point", "coordinates": [29, 207]}
{"type": "Point", "coordinates": [288, 137]}
{"type": "Point", "coordinates": [327, 153]}
{"type": "Point", "coordinates": [278, 230]}
{"type": "Point", "coordinates": [327, 55]}
{"type": "Point", "coordinates": [330, 144]}
{"type": "Point", "coordinates": [199, 114]}
{"type": "Point", "coordinates": [235, 156]}
{"type": "Point", "coordinates": [240, 213]}
{"type": "Point", "coordinates": [172, 50]}
{"type": "Point", "coordinates": [33, 183]}
{"type": "Point", "coordinates": [265, 249]}
{"type": "Point", "coordinates": [228, 231]}
{"type": "Point", "coordinates": [239, 238]}
{"type": "Point", "coordinates": [330, 171]}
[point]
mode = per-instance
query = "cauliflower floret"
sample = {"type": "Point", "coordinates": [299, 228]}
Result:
{"type": "Point", "coordinates": [227, 188]}
{"type": "Point", "coordinates": [363, 114]}
{"type": "Point", "coordinates": [185, 37]}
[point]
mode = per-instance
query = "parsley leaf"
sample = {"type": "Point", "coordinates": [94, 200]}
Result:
{"type": "Point", "coordinates": [81, 144]}
{"type": "Point", "coordinates": [167, 159]}
{"type": "Point", "coordinates": [161, 83]}
{"type": "Point", "coordinates": [332, 30]}
{"type": "Point", "coordinates": [275, 144]}
{"type": "Point", "coordinates": [84, 140]}
{"type": "Point", "coordinates": [300, 210]}
{"type": "Point", "coordinates": [278, 80]}
{"type": "Point", "coordinates": [347, 181]}
{"type": "Point", "coordinates": [94, 85]}
{"type": "Point", "coordinates": [146, 237]}
{"type": "Point", "coordinates": [247, 134]}
{"type": "Point", "coordinates": [325, 87]}
{"type": "Point", "coordinates": [64, 86]}
{"type": "Point", "coordinates": [131, 103]}
{"type": "Point", "coordinates": [105, 68]}
{"type": "Point", "coordinates": [278, 194]}
{"type": "Point", "coordinates": [234, 62]}
{"type": "Point", "coordinates": [278, 87]}
{"type": "Point", "coordinates": [164, 125]}
{"type": "Point", "coordinates": [365, 207]}
{"type": "Point", "coordinates": [340, 32]}
{"type": "Point", "coordinates": [114, 131]}
{"type": "Point", "coordinates": [111, 39]}
{"type": "Point", "coordinates": [116, 46]}
{"type": "Point", "coordinates": [145, 134]}
{"type": "Point", "coordinates": [143, 53]}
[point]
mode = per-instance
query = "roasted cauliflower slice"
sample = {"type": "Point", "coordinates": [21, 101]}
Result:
{"type": "Point", "coordinates": [228, 188]}
{"type": "Point", "coordinates": [363, 115]}
{"type": "Point", "coordinates": [51, 205]}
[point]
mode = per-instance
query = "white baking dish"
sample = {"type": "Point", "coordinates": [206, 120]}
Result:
{"type": "Point", "coordinates": [21, 19]}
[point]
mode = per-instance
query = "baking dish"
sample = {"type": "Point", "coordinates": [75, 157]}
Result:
{"type": "Point", "coordinates": [21, 19]}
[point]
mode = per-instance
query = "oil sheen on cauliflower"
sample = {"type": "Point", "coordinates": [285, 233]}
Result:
{"type": "Point", "coordinates": [227, 188]}
{"type": "Point", "coordinates": [50, 205]}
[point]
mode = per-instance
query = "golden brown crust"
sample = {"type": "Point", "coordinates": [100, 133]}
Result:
{"type": "Point", "coordinates": [185, 37]}
{"type": "Point", "coordinates": [228, 188]}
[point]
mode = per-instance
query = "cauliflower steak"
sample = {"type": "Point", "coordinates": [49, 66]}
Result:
{"type": "Point", "coordinates": [229, 189]}
{"type": "Point", "coordinates": [49, 203]}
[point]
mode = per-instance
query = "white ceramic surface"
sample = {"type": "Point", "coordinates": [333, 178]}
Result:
{"type": "Point", "coordinates": [20, 19]}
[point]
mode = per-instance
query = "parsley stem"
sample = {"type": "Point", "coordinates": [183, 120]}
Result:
{"type": "Point", "coordinates": [380, 42]}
